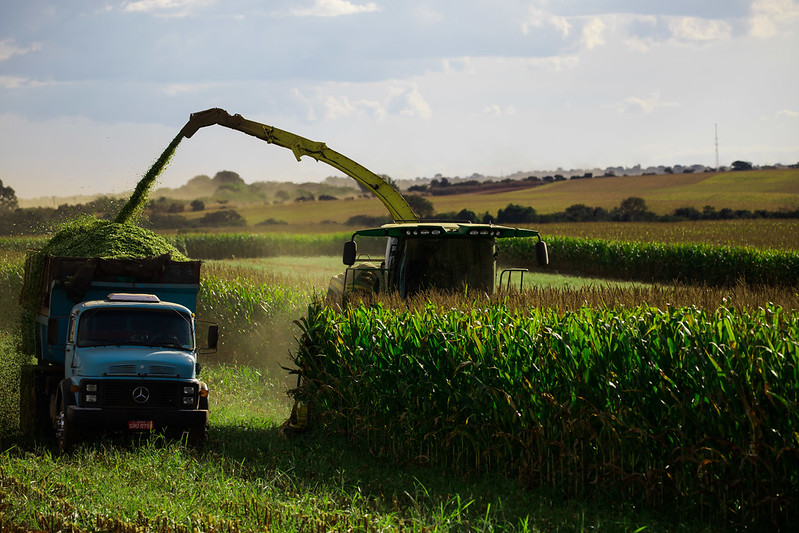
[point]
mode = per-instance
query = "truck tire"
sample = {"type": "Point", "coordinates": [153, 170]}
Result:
{"type": "Point", "coordinates": [67, 435]}
{"type": "Point", "coordinates": [198, 434]}
{"type": "Point", "coordinates": [34, 415]}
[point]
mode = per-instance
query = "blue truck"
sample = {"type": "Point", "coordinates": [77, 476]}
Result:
{"type": "Point", "coordinates": [116, 345]}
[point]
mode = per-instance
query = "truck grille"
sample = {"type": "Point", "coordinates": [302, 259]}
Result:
{"type": "Point", "coordinates": [143, 394]}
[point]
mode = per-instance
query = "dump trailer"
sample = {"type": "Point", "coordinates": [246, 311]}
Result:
{"type": "Point", "coordinates": [116, 348]}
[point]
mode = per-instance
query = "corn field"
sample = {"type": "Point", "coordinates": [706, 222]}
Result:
{"type": "Point", "coordinates": [661, 262]}
{"type": "Point", "coordinates": [679, 409]}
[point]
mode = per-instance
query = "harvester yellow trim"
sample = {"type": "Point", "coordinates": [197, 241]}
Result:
{"type": "Point", "coordinates": [396, 204]}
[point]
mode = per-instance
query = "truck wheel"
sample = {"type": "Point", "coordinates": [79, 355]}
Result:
{"type": "Point", "coordinates": [66, 434]}
{"type": "Point", "coordinates": [27, 403]}
{"type": "Point", "coordinates": [34, 413]}
{"type": "Point", "coordinates": [197, 435]}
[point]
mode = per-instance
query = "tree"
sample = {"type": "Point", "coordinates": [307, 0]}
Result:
{"type": "Point", "coordinates": [420, 205]}
{"type": "Point", "coordinates": [741, 165]}
{"type": "Point", "coordinates": [8, 198]}
{"type": "Point", "coordinates": [197, 205]}
{"type": "Point", "coordinates": [227, 176]}
{"type": "Point", "coordinates": [633, 208]}
{"type": "Point", "coordinates": [514, 213]}
{"type": "Point", "coordinates": [226, 217]}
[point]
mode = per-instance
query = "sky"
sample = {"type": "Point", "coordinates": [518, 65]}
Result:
{"type": "Point", "coordinates": [92, 91]}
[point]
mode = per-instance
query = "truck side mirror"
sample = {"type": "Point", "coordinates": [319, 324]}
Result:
{"type": "Point", "coordinates": [541, 254]}
{"type": "Point", "coordinates": [52, 331]}
{"type": "Point", "coordinates": [350, 252]}
{"type": "Point", "coordinates": [213, 336]}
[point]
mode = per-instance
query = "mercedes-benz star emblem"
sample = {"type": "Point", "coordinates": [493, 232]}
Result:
{"type": "Point", "coordinates": [141, 395]}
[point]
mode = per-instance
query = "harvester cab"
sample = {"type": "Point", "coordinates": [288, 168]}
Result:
{"type": "Point", "coordinates": [422, 256]}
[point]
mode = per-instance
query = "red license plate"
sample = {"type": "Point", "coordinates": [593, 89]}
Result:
{"type": "Point", "coordinates": [140, 424]}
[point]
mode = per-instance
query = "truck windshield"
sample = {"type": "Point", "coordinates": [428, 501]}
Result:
{"type": "Point", "coordinates": [130, 326]}
{"type": "Point", "coordinates": [446, 264]}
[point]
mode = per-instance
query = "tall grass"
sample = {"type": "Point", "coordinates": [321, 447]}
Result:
{"type": "Point", "coordinates": [675, 408]}
{"type": "Point", "coordinates": [255, 312]}
{"type": "Point", "coordinates": [661, 262]}
{"type": "Point", "coordinates": [250, 478]}
{"type": "Point", "coordinates": [774, 234]}
{"type": "Point", "coordinates": [241, 245]}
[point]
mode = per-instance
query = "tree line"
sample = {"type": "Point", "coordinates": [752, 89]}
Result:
{"type": "Point", "coordinates": [632, 209]}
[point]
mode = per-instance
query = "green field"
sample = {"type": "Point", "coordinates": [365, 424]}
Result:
{"type": "Point", "coordinates": [772, 190]}
{"type": "Point", "coordinates": [249, 477]}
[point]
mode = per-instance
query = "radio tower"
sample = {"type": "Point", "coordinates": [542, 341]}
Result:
{"type": "Point", "coordinates": [717, 147]}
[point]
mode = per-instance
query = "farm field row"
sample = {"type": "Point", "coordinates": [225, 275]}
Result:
{"type": "Point", "coordinates": [778, 234]}
{"type": "Point", "coordinates": [771, 190]}
{"type": "Point", "coordinates": [256, 478]}
{"type": "Point", "coordinates": [251, 478]}
{"type": "Point", "coordinates": [756, 189]}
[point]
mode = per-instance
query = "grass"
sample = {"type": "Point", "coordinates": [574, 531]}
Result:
{"type": "Point", "coordinates": [751, 190]}
{"type": "Point", "coordinates": [249, 478]}
{"type": "Point", "coordinates": [756, 189]}
{"type": "Point", "coordinates": [759, 233]}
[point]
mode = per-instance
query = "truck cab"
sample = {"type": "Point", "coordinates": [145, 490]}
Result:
{"type": "Point", "coordinates": [131, 363]}
{"type": "Point", "coordinates": [118, 349]}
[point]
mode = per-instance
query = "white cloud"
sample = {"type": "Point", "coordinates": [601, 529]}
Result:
{"type": "Point", "coordinates": [636, 104]}
{"type": "Point", "coordinates": [337, 107]}
{"type": "Point", "coordinates": [408, 101]}
{"type": "Point", "coordinates": [496, 110]}
{"type": "Point", "coordinates": [335, 8]}
{"type": "Point", "coordinates": [697, 29]}
{"type": "Point", "coordinates": [768, 16]}
{"type": "Point", "coordinates": [592, 33]}
{"type": "Point", "coordinates": [8, 49]}
{"type": "Point", "coordinates": [789, 113]}
{"type": "Point", "coordinates": [538, 18]}
{"type": "Point", "coordinates": [17, 82]}
{"type": "Point", "coordinates": [165, 8]}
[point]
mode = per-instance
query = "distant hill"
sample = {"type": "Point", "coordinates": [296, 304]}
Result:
{"type": "Point", "coordinates": [766, 188]}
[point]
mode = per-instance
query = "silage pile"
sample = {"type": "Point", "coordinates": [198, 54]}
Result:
{"type": "Point", "coordinates": [91, 237]}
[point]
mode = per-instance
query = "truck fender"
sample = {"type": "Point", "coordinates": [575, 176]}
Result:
{"type": "Point", "coordinates": [203, 404]}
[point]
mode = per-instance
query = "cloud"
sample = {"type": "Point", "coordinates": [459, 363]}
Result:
{"type": "Point", "coordinates": [16, 82]}
{"type": "Point", "coordinates": [165, 8]}
{"type": "Point", "coordinates": [408, 101]}
{"type": "Point", "coordinates": [592, 33]}
{"type": "Point", "coordinates": [538, 18]}
{"type": "Point", "coordinates": [9, 49]}
{"type": "Point", "coordinates": [697, 29]}
{"type": "Point", "coordinates": [495, 110]}
{"type": "Point", "coordinates": [636, 104]}
{"type": "Point", "coordinates": [335, 8]}
{"type": "Point", "coordinates": [768, 16]}
{"type": "Point", "coordinates": [789, 113]}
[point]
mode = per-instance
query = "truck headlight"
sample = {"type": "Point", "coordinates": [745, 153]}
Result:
{"type": "Point", "coordinates": [189, 395]}
{"type": "Point", "coordinates": [91, 387]}
{"type": "Point", "coordinates": [91, 398]}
